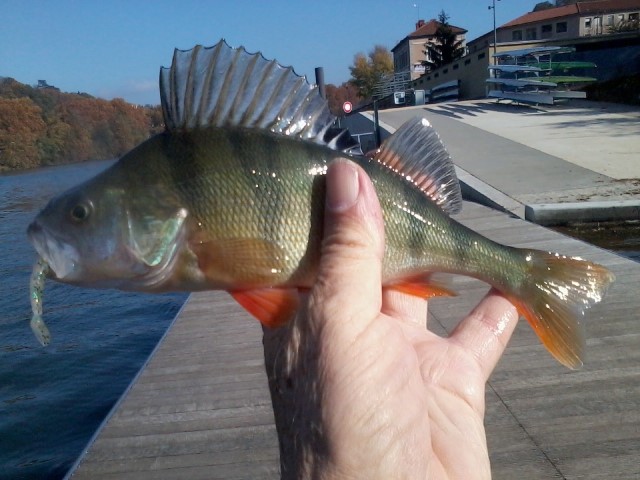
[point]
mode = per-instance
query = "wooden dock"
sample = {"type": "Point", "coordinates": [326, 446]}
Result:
{"type": "Point", "coordinates": [200, 408]}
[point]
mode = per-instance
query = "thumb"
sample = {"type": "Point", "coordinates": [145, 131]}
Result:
{"type": "Point", "coordinates": [347, 291]}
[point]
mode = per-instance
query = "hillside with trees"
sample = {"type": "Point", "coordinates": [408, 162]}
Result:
{"type": "Point", "coordinates": [43, 126]}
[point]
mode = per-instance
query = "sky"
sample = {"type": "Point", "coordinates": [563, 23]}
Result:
{"type": "Point", "coordinates": [115, 48]}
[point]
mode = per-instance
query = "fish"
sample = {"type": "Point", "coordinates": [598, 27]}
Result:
{"type": "Point", "coordinates": [231, 195]}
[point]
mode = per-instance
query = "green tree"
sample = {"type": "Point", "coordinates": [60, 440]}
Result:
{"type": "Point", "coordinates": [446, 48]}
{"type": "Point", "coordinates": [366, 72]}
{"type": "Point", "coordinates": [543, 6]}
{"type": "Point", "coordinates": [629, 25]}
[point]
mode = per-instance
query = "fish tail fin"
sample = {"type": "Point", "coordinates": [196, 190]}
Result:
{"type": "Point", "coordinates": [558, 291]}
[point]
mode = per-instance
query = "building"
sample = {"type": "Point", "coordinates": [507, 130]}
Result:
{"type": "Point", "coordinates": [581, 19]}
{"type": "Point", "coordinates": [588, 27]}
{"type": "Point", "coordinates": [409, 53]}
{"type": "Point", "coordinates": [43, 85]}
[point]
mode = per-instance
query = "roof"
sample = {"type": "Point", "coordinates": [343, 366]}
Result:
{"type": "Point", "coordinates": [583, 8]}
{"type": "Point", "coordinates": [428, 29]}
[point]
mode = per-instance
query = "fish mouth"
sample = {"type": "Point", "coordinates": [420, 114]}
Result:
{"type": "Point", "coordinates": [61, 257]}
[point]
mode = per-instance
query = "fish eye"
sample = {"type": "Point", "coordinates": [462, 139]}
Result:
{"type": "Point", "coordinates": [80, 212]}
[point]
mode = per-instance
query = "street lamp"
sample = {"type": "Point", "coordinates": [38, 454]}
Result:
{"type": "Point", "coordinates": [495, 33]}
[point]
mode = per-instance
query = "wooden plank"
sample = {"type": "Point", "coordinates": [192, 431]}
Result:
{"type": "Point", "coordinates": [199, 409]}
{"type": "Point", "coordinates": [557, 423]}
{"type": "Point", "coordinates": [201, 406]}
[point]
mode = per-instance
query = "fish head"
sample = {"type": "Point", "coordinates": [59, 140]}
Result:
{"type": "Point", "coordinates": [102, 234]}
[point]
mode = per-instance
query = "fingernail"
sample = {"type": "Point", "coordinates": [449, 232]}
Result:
{"type": "Point", "coordinates": [342, 186]}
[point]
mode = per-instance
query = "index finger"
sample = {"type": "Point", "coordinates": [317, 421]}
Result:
{"type": "Point", "coordinates": [486, 331]}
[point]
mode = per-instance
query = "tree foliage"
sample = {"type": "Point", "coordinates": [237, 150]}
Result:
{"type": "Point", "coordinates": [369, 70]}
{"type": "Point", "coordinates": [337, 95]}
{"type": "Point", "coordinates": [628, 25]}
{"type": "Point", "coordinates": [558, 3]}
{"type": "Point", "coordinates": [21, 126]}
{"type": "Point", "coordinates": [46, 127]}
{"type": "Point", "coordinates": [446, 48]}
{"type": "Point", "coordinates": [543, 6]}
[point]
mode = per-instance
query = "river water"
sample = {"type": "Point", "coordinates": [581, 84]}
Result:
{"type": "Point", "coordinates": [53, 399]}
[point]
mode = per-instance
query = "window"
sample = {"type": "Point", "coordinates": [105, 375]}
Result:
{"type": "Point", "coordinates": [621, 17]}
{"type": "Point", "coordinates": [561, 27]}
{"type": "Point", "coordinates": [597, 23]}
{"type": "Point", "coordinates": [633, 17]}
{"type": "Point", "coordinates": [446, 70]}
{"type": "Point", "coordinates": [609, 20]}
{"type": "Point", "coordinates": [587, 23]}
{"type": "Point", "coordinates": [531, 34]}
{"type": "Point", "coordinates": [546, 31]}
{"type": "Point", "coordinates": [481, 56]}
{"type": "Point", "coordinates": [467, 61]}
{"type": "Point", "coordinates": [516, 35]}
{"type": "Point", "coordinates": [456, 66]}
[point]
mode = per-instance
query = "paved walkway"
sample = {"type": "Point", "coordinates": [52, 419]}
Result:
{"type": "Point", "coordinates": [585, 152]}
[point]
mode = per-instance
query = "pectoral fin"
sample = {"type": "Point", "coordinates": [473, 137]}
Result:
{"type": "Point", "coordinates": [152, 239]}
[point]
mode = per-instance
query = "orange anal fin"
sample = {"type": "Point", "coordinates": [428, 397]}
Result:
{"type": "Point", "coordinates": [273, 307]}
{"type": "Point", "coordinates": [422, 288]}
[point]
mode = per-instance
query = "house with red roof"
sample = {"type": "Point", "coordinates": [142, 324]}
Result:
{"type": "Point", "coordinates": [409, 53]}
{"type": "Point", "coordinates": [581, 19]}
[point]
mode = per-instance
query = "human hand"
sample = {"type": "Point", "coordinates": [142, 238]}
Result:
{"type": "Point", "coordinates": [361, 389]}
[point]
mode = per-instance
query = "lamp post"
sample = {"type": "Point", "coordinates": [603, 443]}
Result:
{"type": "Point", "coordinates": [495, 33]}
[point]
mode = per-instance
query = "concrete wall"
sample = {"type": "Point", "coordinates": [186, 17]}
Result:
{"type": "Point", "coordinates": [471, 70]}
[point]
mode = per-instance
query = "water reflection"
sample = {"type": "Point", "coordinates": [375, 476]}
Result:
{"type": "Point", "coordinates": [620, 237]}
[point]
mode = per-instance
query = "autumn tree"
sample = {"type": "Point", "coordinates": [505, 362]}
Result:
{"type": "Point", "coordinates": [20, 128]}
{"type": "Point", "coordinates": [47, 127]}
{"type": "Point", "coordinates": [446, 48]}
{"type": "Point", "coordinates": [337, 95]}
{"type": "Point", "coordinates": [366, 72]}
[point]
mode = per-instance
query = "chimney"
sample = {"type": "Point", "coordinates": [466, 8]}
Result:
{"type": "Point", "coordinates": [419, 23]}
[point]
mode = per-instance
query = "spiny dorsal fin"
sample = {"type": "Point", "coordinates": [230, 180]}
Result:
{"type": "Point", "coordinates": [223, 86]}
{"type": "Point", "coordinates": [416, 153]}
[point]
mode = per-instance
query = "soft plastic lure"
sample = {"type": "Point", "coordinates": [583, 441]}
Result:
{"type": "Point", "coordinates": [36, 287]}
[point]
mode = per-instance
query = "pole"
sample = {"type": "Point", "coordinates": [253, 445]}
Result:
{"type": "Point", "coordinates": [376, 124]}
{"type": "Point", "coordinates": [495, 32]}
{"type": "Point", "coordinates": [320, 82]}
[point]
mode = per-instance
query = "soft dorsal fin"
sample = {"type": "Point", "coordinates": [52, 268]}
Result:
{"type": "Point", "coordinates": [223, 86]}
{"type": "Point", "coordinates": [416, 153]}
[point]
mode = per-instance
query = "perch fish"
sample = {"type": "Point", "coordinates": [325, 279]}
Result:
{"type": "Point", "coordinates": [230, 196]}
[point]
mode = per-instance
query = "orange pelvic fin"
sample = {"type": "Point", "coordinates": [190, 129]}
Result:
{"type": "Point", "coordinates": [423, 287]}
{"type": "Point", "coordinates": [558, 291]}
{"type": "Point", "coordinates": [273, 307]}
